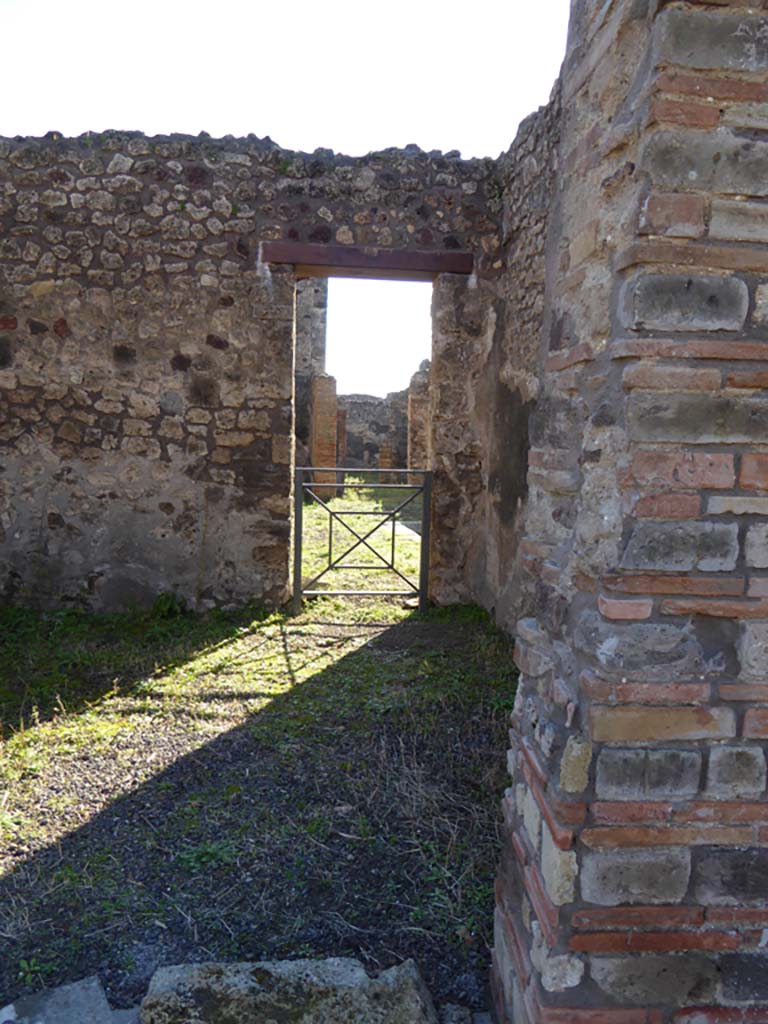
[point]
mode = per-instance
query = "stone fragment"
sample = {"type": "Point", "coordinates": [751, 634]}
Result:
{"type": "Point", "coordinates": [311, 991]}
{"type": "Point", "coordinates": [656, 980]}
{"type": "Point", "coordinates": [736, 772]}
{"type": "Point", "coordinates": [681, 302]}
{"type": "Point", "coordinates": [682, 546]}
{"type": "Point", "coordinates": [76, 1003]}
{"type": "Point", "coordinates": [610, 878]}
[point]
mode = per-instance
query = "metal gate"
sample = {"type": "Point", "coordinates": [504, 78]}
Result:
{"type": "Point", "coordinates": [333, 484]}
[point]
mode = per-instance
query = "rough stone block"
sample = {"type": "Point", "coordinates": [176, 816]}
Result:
{"type": "Point", "coordinates": [729, 877]}
{"type": "Point", "coordinates": [574, 765]}
{"type": "Point", "coordinates": [559, 869]}
{"type": "Point", "coordinates": [683, 546]}
{"type": "Point", "coordinates": [610, 878]}
{"type": "Point", "coordinates": [738, 222]}
{"type": "Point", "coordinates": [754, 471]}
{"type": "Point", "coordinates": [621, 774]}
{"type": "Point", "coordinates": [652, 725]}
{"type": "Point", "coordinates": [736, 772]}
{"type": "Point", "coordinates": [685, 469]}
{"type": "Point", "coordinates": [712, 40]}
{"type": "Point", "coordinates": [697, 419]}
{"type": "Point", "coordinates": [532, 818]}
{"type": "Point", "coordinates": [753, 651]}
{"type": "Point", "coordinates": [737, 505]}
{"type": "Point", "coordinates": [745, 977]}
{"type": "Point", "coordinates": [681, 302]}
{"type": "Point", "coordinates": [640, 651]}
{"type": "Point", "coordinates": [69, 1004]}
{"type": "Point", "coordinates": [761, 304]}
{"type": "Point", "coordinates": [747, 115]}
{"type": "Point", "coordinates": [656, 980]}
{"type": "Point", "coordinates": [717, 161]}
{"type": "Point", "coordinates": [756, 547]}
{"type": "Point", "coordinates": [321, 990]}
{"type": "Point", "coordinates": [673, 215]}
{"type": "Point", "coordinates": [672, 773]}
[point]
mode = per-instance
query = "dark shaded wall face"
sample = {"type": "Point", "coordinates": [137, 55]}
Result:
{"type": "Point", "coordinates": [501, 327]}
{"type": "Point", "coordinates": [147, 358]}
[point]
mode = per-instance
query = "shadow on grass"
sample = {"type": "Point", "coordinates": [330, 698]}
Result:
{"type": "Point", "coordinates": [353, 814]}
{"type": "Point", "coordinates": [67, 660]}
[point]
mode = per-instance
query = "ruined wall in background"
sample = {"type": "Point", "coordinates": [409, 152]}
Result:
{"type": "Point", "coordinates": [372, 422]}
{"type": "Point", "coordinates": [635, 828]}
{"type": "Point", "coordinates": [311, 325]}
{"type": "Point", "coordinates": [146, 359]}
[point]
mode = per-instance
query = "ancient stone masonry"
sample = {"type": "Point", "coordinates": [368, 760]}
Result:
{"type": "Point", "coordinates": [485, 382]}
{"type": "Point", "coordinates": [146, 386]}
{"type": "Point", "coordinates": [632, 889]}
{"type": "Point", "coordinates": [612, 342]}
{"type": "Point", "coordinates": [419, 447]}
{"type": "Point", "coordinates": [372, 422]}
{"type": "Point", "coordinates": [311, 324]}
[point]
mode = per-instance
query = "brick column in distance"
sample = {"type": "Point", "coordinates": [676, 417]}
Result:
{"type": "Point", "coordinates": [322, 429]}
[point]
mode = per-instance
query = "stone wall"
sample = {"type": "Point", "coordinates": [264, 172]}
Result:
{"type": "Point", "coordinates": [485, 381]}
{"type": "Point", "coordinates": [635, 827]}
{"type": "Point", "coordinates": [311, 324]}
{"type": "Point", "coordinates": [147, 357]}
{"type": "Point", "coordinates": [419, 448]}
{"type": "Point", "coordinates": [372, 422]}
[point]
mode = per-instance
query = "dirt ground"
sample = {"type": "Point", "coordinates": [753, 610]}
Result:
{"type": "Point", "coordinates": [244, 787]}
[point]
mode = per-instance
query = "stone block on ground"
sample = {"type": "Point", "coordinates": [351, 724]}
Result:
{"type": "Point", "coordinates": [303, 991]}
{"type": "Point", "coordinates": [69, 1004]}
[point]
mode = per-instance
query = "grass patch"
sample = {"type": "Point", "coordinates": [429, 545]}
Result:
{"type": "Point", "coordinates": [177, 788]}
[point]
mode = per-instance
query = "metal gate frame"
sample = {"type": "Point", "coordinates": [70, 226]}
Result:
{"type": "Point", "coordinates": [304, 485]}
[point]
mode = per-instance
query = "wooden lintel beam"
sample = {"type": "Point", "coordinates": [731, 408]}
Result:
{"type": "Point", "coordinates": [310, 260]}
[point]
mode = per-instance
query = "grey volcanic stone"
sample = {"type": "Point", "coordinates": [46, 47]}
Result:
{"type": "Point", "coordinates": [737, 42]}
{"type": "Point", "coordinates": [717, 161]}
{"type": "Point", "coordinates": [651, 980]}
{"type": "Point", "coordinates": [635, 876]}
{"type": "Point", "coordinates": [684, 302]}
{"type": "Point", "coordinates": [69, 1004]}
{"type": "Point", "coordinates": [708, 547]}
{"type": "Point", "coordinates": [297, 991]}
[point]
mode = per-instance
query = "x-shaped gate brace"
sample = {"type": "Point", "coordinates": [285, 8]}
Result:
{"type": "Point", "coordinates": [303, 487]}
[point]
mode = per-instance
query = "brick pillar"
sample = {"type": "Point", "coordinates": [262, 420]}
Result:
{"type": "Point", "coordinates": [341, 436]}
{"type": "Point", "coordinates": [387, 461]}
{"type": "Point", "coordinates": [322, 429]}
{"type": "Point", "coordinates": [632, 888]}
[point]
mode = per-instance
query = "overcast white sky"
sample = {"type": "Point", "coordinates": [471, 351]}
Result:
{"type": "Point", "coordinates": [340, 74]}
